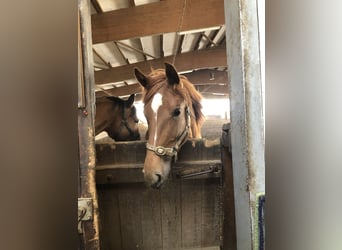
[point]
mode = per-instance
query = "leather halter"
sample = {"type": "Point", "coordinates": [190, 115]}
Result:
{"type": "Point", "coordinates": [170, 152]}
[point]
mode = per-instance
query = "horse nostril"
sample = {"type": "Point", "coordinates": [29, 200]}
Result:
{"type": "Point", "coordinates": [158, 181]}
{"type": "Point", "coordinates": [159, 178]}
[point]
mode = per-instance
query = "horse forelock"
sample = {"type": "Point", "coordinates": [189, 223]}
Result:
{"type": "Point", "coordinates": [156, 79]}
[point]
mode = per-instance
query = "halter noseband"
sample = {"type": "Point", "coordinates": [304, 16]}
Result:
{"type": "Point", "coordinates": [170, 152]}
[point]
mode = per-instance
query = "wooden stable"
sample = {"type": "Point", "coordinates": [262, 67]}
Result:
{"type": "Point", "coordinates": [214, 210]}
{"type": "Point", "coordinates": [186, 213]}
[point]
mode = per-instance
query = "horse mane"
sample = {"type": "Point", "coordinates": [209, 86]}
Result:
{"type": "Point", "coordinates": [157, 79]}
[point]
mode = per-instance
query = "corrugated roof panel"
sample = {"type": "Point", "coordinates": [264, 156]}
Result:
{"type": "Point", "coordinates": [110, 53]}
{"type": "Point", "coordinates": [108, 5]}
{"type": "Point", "coordinates": [129, 49]}
{"type": "Point", "coordinates": [219, 36]}
{"type": "Point", "coordinates": [189, 42]}
{"type": "Point", "coordinates": [142, 2]}
{"type": "Point", "coordinates": [169, 43]}
{"type": "Point", "coordinates": [151, 45]}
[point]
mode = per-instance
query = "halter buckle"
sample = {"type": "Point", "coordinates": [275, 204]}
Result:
{"type": "Point", "coordinates": [160, 150]}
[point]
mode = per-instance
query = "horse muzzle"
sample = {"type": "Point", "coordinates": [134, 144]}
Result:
{"type": "Point", "coordinates": [155, 180]}
{"type": "Point", "coordinates": [156, 170]}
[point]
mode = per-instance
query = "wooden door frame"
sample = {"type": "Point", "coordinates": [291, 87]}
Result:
{"type": "Point", "coordinates": [246, 114]}
{"type": "Point", "coordinates": [89, 238]}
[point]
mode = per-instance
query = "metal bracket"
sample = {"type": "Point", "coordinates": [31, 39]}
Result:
{"type": "Point", "coordinates": [189, 173]}
{"type": "Point", "coordinates": [85, 211]}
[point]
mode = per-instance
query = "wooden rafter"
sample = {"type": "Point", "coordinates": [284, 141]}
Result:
{"type": "Point", "coordinates": [139, 95]}
{"type": "Point", "coordinates": [142, 20]}
{"type": "Point", "coordinates": [215, 57]}
{"type": "Point", "coordinates": [96, 6]}
{"type": "Point", "coordinates": [220, 89]}
{"type": "Point", "coordinates": [211, 42]}
{"type": "Point", "coordinates": [161, 40]}
{"type": "Point", "coordinates": [121, 91]}
{"type": "Point", "coordinates": [137, 50]}
{"type": "Point", "coordinates": [211, 37]}
{"type": "Point", "coordinates": [207, 77]}
{"type": "Point", "coordinates": [101, 58]}
{"type": "Point", "coordinates": [121, 53]}
{"type": "Point", "coordinates": [200, 78]}
{"type": "Point", "coordinates": [196, 46]}
{"type": "Point", "coordinates": [180, 41]}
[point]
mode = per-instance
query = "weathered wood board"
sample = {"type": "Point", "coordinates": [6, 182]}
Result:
{"type": "Point", "coordinates": [184, 214]}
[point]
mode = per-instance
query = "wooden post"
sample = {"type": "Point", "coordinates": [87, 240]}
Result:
{"type": "Point", "coordinates": [246, 116]}
{"type": "Point", "coordinates": [89, 239]}
{"type": "Point", "coordinates": [229, 228]}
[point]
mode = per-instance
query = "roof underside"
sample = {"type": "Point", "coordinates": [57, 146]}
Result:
{"type": "Point", "coordinates": [146, 33]}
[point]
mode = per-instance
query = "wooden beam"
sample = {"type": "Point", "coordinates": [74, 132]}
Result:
{"type": "Point", "coordinates": [96, 6]}
{"type": "Point", "coordinates": [209, 58]}
{"type": "Point", "coordinates": [90, 238]}
{"type": "Point", "coordinates": [204, 76]}
{"type": "Point", "coordinates": [136, 88]}
{"type": "Point", "coordinates": [121, 91]}
{"type": "Point", "coordinates": [198, 78]}
{"type": "Point", "coordinates": [156, 18]}
{"type": "Point", "coordinates": [125, 154]}
{"type": "Point", "coordinates": [139, 95]}
{"type": "Point", "coordinates": [218, 89]}
{"type": "Point", "coordinates": [213, 96]}
{"type": "Point", "coordinates": [101, 58]}
{"type": "Point", "coordinates": [212, 36]}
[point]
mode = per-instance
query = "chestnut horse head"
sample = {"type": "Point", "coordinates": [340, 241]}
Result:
{"type": "Point", "coordinates": [117, 117]}
{"type": "Point", "coordinates": [173, 112]}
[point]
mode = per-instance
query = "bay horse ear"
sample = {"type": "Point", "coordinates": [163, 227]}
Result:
{"type": "Point", "coordinates": [171, 74]}
{"type": "Point", "coordinates": [130, 101]}
{"type": "Point", "coordinates": [140, 77]}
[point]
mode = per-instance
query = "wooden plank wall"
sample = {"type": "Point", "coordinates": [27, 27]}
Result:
{"type": "Point", "coordinates": [184, 214]}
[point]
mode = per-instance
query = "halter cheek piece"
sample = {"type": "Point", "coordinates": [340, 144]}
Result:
{"type": "Point", "coordinates": [170, 152]}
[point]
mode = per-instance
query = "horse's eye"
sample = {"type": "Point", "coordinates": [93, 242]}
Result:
{"type": "Point", "coordinates": [176, 112]}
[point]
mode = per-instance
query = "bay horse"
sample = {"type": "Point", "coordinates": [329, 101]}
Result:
{"type": "Point", "coordinates": [117, 117]}
{"type": "Point", "coordinates": [172, 107]}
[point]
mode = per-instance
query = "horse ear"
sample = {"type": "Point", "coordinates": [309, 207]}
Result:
{"type": "Point", "coordinates": [130, 100]}
{"type": "Point", "coordinates": [171, 74]}
{"type": "Point", "coordinates": [140, 77]}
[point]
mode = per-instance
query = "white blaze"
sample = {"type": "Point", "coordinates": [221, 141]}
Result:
{"type": "Point", "coordinates": [156, 103]}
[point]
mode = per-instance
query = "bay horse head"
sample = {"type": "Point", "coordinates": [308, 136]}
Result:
{"type": "Point", "coordinates": [117, 117]}
{"type": "Point", "coordinates": [173, 112]}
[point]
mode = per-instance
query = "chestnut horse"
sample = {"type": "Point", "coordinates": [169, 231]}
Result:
{"type": "Point", "coordinates": [117, 117]}
{"type": "Point", "coordinates": [172, 109]}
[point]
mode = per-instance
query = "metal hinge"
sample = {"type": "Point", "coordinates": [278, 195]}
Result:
{"type": "Point", "coordinates": [85, 211]}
